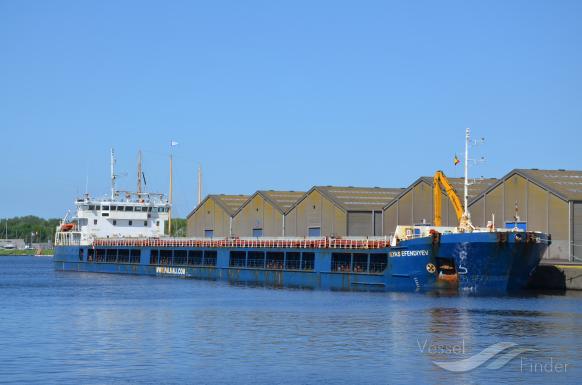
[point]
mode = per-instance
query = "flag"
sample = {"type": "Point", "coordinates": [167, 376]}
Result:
{"type": "Point", "coordinates": [144, 179]}
{"type": "Point", "coordinates": [456, 160]}
{"type": "Point", "coordinates": [173, 143]}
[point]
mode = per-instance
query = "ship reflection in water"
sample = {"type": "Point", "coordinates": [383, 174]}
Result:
{"type": "Point", "coordinates": [62, 327]}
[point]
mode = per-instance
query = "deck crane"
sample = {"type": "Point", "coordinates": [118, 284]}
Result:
{"type": "Point", "coordinates": [441, 180]}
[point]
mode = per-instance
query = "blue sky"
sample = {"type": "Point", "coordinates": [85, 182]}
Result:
{"type": "Point", "coordinates": [280, 94]}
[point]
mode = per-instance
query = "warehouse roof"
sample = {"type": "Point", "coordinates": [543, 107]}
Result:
{"type": "Point", "coordinates": [229, 203]}
{"type": "Point", "coordinates": [355, 198]}
{"type": "Point", "coordinates": [566, 184]}
{"type": "Point", "coordinates": [281, 200]}
{"type": "Point", "coordinates": [476, 187]}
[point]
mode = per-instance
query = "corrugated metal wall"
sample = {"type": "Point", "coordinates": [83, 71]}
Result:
{"type": "Point", "coordinates": [378, 223]}
{"type": "Point", "coordinates": [360, 223]}
{"type": "Point", "coordinates": [258, 214]}
{"type": "Point", "coordinates": [542, 210]}
{"type": "Point", "coordinates": [577, 230]}
{"type": "Point", "coordinates": [315, 211]}
{"type": "Point", "coordinates": [416, 206]}
{"type": "Point", "coordinates": [390, 219]}
{"type": "Point", "coordinates": [210, 216]}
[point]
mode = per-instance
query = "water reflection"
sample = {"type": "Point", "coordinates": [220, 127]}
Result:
{"type": "Point", "coordinates": [100, 328]}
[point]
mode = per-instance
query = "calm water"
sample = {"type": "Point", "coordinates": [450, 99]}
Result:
{"type": "Point", "coordinates": [98, 328]}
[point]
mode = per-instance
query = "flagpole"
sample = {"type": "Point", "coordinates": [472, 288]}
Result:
{"type": "Point", "coordinates": [170, 210]}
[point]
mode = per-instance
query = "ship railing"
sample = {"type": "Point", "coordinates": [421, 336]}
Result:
{"type": "Point", "coordinates": [248, 242]}
{"type": "Point", "coordinates": [67, 238]}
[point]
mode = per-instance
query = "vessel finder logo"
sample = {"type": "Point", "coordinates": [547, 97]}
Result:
{"type": "Point", "coordinates": [494, 357]}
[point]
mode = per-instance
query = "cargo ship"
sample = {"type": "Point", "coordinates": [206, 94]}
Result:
{"type": "Point", "coordinates": [125, 233]}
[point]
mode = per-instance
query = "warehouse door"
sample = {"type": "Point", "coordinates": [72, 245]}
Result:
{"type": "Point", "coordinates": [577, 231]}
{"type": "Point", "coordinates": [360, 224]}
{"type": "Point", "coordinates": [378, 223]}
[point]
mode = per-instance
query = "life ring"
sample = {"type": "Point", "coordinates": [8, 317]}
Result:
{"type": "Point", "coordinates": [431, 268]}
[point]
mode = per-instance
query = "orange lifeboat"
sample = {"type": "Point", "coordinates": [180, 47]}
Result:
{"type": "Point", "coordinates": [67, 226]}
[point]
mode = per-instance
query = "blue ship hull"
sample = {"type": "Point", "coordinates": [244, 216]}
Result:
{"type": "Point", "coordinates": [480, 262]}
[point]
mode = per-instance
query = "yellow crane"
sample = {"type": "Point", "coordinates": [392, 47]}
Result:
{"type": "Point", "coordinates": [441, 180]}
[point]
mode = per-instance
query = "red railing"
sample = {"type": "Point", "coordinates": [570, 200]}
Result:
{"type": "Point", "coordinates": [288, 243]}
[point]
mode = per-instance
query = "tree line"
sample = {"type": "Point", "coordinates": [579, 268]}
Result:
{"type": "Point", "coordinates": [30, 228]}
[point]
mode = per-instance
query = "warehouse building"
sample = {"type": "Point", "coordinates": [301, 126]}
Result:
{"type": "Point", "coordinates": [415, 204]}
{"type": "Point", "coordinates": [263, 214]}
{"type": "Point", "coordinates": [339, 211]}
{"type": "Point", "coordinates": [546, 200]}
{"type": "Point", "coordinates": [213, 216]}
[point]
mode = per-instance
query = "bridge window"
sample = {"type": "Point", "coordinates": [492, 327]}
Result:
{"type": "Point", "coordinates": [378, 262]}
{"type": "Point", "coordinates": [293, 261]}
{"type": "Point", "coordinates": [307, 261]}
{"type": "Point", "coordinates": [165, 257]}
{"type": "Point", "coordinates": [256, 259]}
{"type": "Point", "coordinates": [128, 208]}
{"type": "Point", "coordinates": [237, 258]}
{"type": "Point", "coordinates": [134, 256]}
{"type": "Point", "coordinates": [341, 262]}
{"type": "Point", "coordinates": [275, 260]}
{"type": "Point", "coordinates": [195, 257]}
{"type": "Point", "coordinates": [180, 257]}
{"type": "Point", "coordinates": [210, 257]}
{"type": "Point", "coordinates": [360, 263]}
{"type": "Point", "coordinates": [154, 257]}
{"type": "Point", "coordinates": [123, 256]}
{"type": "Point", "coordinates": [111, 255]}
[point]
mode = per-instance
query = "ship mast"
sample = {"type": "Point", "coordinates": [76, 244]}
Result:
{"type": "Point", "coordinates": [466, 184]}
{"type": "Point", "coordinates": [466, 224]}
{"type": "Point", "coordinates": [199, 184]}
{"type": "Point", "coordinates": [172, 144]}
{"type": "Point", "coordinates": [170, 209]}
{"type": "Point", "coordinates": [113, 176]}
{"type": "Point", "coordinates": [139, 174]}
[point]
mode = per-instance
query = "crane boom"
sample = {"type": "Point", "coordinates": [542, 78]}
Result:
{"type": "Point", "coordinates": [441, 179]}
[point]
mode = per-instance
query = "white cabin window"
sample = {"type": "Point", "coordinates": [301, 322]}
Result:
{"type": "Point", "coordinates": [94, 221]}
{"type": "Point", "coordinates": [114, 222]}
{"type": "Point", "coordinates": [158, 223]}
{"type": "Point", "coordinates": [145, 223]}
{"type": "Point", "coordinates": [130, 223]}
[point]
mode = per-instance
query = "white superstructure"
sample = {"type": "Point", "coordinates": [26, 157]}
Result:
{"type": "Point", "coordinates": [103, 218]}
{"type": "Point", "coordinates": [124, 214]}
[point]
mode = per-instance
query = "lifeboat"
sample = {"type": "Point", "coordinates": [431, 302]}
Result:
{"type": "Point", "coordinates": [67, 226]}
